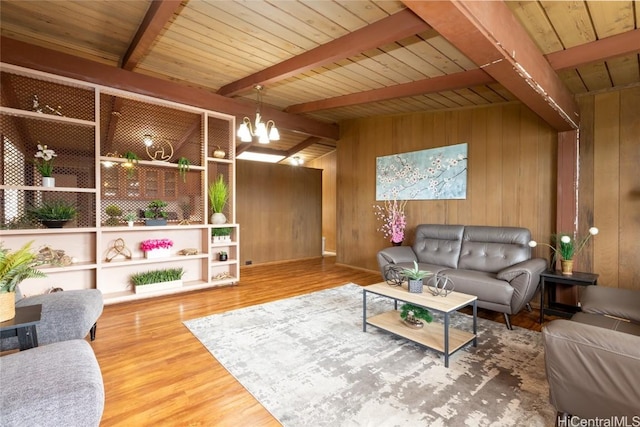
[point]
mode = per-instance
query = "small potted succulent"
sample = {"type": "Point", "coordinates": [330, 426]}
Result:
{"type": "Point", "coordinates": [222, 256]}
{"type": "Point", "coordinates": [130, 217]}
{"type": "Point", "coordinates": [54, 213]}
{"type": "Point", "coordinates": [414, 277]}
{"type": "Point", "coordinates": [155, 213]}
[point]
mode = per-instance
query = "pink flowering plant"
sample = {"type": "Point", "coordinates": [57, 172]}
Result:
{"type": "Point", "coordinates": [393, 219]}
{"type": "Point", "coordinates": [44, 160]}
{"type": "Point", "coordinates": [151, 244]}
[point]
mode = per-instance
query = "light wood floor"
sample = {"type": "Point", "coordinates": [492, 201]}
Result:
{"type": "Point", "coordinates": [157, 373]}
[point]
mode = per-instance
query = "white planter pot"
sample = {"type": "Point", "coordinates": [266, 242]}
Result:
{"type": "Point", "coordinates": [130, 223]}
{"type": "Point", "coordinates": [158, 253]}
{"type": "Point", "coordinates": [48, 181]}
{"type": "Point", "coordinates": [221, 239]}
{"type": "Point", "coordinates": [218, 218]}
{"type": "Point", "coordinates": [155, 287]}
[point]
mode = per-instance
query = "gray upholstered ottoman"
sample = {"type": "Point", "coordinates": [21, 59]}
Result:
{"type": "Point", "coordinates": [67, 315]}
{"type": "Point", "coordinates": [54, 385]}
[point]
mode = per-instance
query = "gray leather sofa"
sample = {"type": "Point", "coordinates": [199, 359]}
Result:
{"type": "Point", "coordinates": [593, 360]}
{"type": "Point", "coordinates": [58, 384]}
{"type": "Point", "coordinates": [493, 263]}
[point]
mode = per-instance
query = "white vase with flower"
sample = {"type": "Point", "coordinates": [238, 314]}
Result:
{"type": "Point", "coordinates": [44, 163]}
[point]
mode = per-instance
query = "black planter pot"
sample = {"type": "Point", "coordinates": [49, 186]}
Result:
{"type": "Point", "coordinates": [54, 223]}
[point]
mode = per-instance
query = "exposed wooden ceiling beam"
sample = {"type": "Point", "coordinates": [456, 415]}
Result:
{"type": "Point", "coordinates": [436, 84]}
{"type": "Point", "coordinates": [488, 33]}
{"type": "Point", "coordinates": [50, 61]}
{"type": "Point", "coordinates": [302, 145]}
{"type": "Point", "coordinates": [599, 50]}
{"type": "Point", "coordinates": [388, 30]}
{"type": "Point", "coordinates": [158, 15]}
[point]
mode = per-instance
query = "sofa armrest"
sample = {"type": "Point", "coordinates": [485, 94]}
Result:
{"type": "Point", "coordinates": [524, 278]}
{"type": "Point", "coordinates": [622, 303]}
{"type": "Point", "coordinates": [395, 255]}
{"type": "Point", "coordinates": [592, 371]}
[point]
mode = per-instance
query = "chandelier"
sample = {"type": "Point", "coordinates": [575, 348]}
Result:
{"type": "Point", "coordinates": [266, 132]}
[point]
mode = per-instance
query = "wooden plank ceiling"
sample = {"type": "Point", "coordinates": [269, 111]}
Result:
{"type": "Point", "coordinates": [336, 60]}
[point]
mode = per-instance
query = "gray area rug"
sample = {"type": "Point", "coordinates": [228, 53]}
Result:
{"type": "Point", "coordinates": [308, 362]}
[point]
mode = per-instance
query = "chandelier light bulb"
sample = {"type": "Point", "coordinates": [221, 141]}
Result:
{"type": "Point", "coordinates": [265, 132]}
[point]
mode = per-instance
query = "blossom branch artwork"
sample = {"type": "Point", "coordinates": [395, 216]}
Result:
{"type": "Point", "coordinates": [433, 174]}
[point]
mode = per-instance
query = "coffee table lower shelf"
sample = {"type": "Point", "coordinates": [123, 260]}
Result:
{"type": "Point", "coordinates": [431, 335]}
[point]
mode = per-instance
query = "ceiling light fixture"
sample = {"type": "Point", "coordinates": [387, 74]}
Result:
{"type": "Point", "coordinates": [297, 160]}
{"type": "Point", "coordinates": [266, 132]}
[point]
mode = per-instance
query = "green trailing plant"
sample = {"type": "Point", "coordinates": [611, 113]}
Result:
{"type": "Point", "coordinates": [132, 160]}
{"type": "Point", "coordinates": [157, 276]}
{"type": "Point", "coordinates": [54, 210]}
{"type": "Point", "coordinates": [155, 210]}
{"type": "Point", "coordinates": [218, 194]}
{"type": "Point", "coordinates": [417, 312]}
{"type": "Point", "coordinates": [221, 231]}
{"type": "Point", "coordinates": [114, 213]}
{"type": "Point", "coordinates": [16, 266]}
{"type": "Point", "coordinates": [183, 167]}
{"type": "Point", "coordinates": [415, 273]}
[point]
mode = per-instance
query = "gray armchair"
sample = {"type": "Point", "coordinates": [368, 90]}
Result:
{"type": "Point", "coordinates": [67, 315]}
{"type": "Point", "coordinates": [593, 360]}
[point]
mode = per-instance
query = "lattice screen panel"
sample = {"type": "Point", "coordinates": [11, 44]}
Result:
{"type": "Point", "coordinates": [219, 136]}
{"type": "Point", "coordinates": [125, 122]}
{"type": "Point", "coordinates": [25, 93]}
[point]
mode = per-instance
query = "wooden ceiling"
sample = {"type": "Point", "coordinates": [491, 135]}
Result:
{"type": "Point", "coordinates": [326, 61]}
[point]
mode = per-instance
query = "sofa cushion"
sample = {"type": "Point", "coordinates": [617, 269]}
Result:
{"type": "Point", "coordinates": [438, 244]}
{"type": "Point", "coordinates": [607, 322]}
{"type": "Point", "coordinates": [492, 249]}
{"type": "Point", "coordinates": [622, 303]}
{"type": "Point", "coordinates": [481, 284]}
{"type": "Point", "coordinates": [58, 384]}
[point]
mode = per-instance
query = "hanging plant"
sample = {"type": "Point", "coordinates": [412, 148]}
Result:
{"type": "Point", "coordinates": [183, 167]}
{"type": "Point", "coordinates": [132, 159]}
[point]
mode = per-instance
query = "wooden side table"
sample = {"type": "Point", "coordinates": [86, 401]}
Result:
{"type": "Point", "coordinates": [23, 325]}
{"type": "Point", "coordinates": [555, 277]}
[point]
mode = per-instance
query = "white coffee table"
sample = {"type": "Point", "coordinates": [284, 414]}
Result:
{"type": "Point", "coordinates": [436, 336]}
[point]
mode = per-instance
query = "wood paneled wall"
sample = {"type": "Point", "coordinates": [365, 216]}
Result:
{"type": "Point", "coordinates": [609, 185]}
{"type": "Point", "coordinates": [511, 176]}
{"type": "Point", "coordinates": [328, 165]}
{"type": "Point", "coordinates": [279, 209]}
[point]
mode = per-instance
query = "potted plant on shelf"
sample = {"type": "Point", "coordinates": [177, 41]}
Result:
{"type": "Point", "coordinates": [414, 277]}
{"type": "Point", "coordinates": [15, 266]}
{"type": "Point", "coordinates": [157, 280]}
{"type": "Point", "coordinates": [218, 196]}
{"type": "Point", "coordinates": [566, 247]}
{"type": "Point", "coordinates": [155, 213]}
{"type": "Point", "coordinates": [183, 167]}
{"type": "Point", "coordinates": [54, 213]}
{"type": "Point", "coordinates": [413, 315]}
{"type": "Point", "coordinates": [130, 217]}
{"type": "Point", "coordinates": [114, 212]}
{"type": "Point", "coordinates": [156, 248]}
{"type": "Point", "coordinates": [44, 163]}
{"type": "Point", "coordinates": [222, 256]}
{"type": "Point", "coordinates": [221, 234]}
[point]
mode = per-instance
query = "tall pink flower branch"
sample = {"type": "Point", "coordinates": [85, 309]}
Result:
{"type": "Point", "coordinates": [393, 219]}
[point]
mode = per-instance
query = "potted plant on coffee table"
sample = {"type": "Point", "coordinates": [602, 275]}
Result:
{"type": "Point", "coordinates": [414, 277]}
{"type": "Point", "coordinates": [15, 266]}
{"type": "Point", "coordinates": [413, 315]}
{"type": "Point", "coordinates": [155, 213]}
{"type": "Point", "coordinates": [53, 213]}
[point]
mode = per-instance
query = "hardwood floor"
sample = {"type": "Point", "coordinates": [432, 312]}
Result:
{"type": "Point", "coordinates": [157, 373]}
